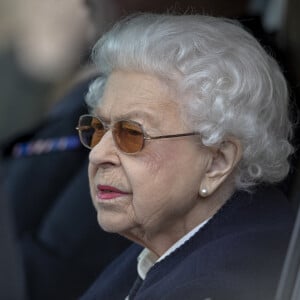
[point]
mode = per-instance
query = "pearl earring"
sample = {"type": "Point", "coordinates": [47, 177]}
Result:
{"type": "Point", "coordinates": [203, 192]}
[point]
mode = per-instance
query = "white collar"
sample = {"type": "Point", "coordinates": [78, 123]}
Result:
{"type": "Point", "coordinates": [147, 259]}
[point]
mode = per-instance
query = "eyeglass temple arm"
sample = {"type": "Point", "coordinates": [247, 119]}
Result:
{"type": "Point", "coordinates": [169, 136]}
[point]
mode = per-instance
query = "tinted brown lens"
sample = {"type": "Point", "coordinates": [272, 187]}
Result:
{"type": "Point", "coordinates": [129, 136]}
{"type": "Point", "coordinates": [91, 131]}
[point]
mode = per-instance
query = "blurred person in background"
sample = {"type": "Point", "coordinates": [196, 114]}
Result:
{"type": "Point", "coordinates": [43, 44]}
{"type": "Point", "coordinates": [43, 166]}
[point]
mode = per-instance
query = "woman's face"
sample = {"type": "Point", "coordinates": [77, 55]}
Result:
{"type": "Point", "coordinates": [152, 194]}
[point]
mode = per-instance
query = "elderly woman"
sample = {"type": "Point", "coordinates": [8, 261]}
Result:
{"type": "Point", "coordinates": [188, 127]}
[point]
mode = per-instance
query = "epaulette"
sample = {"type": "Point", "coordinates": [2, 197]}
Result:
{"type": "Point", "coordinates": [44, 146]}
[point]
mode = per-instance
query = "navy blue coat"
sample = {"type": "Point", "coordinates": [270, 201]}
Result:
{"type": "Point", "coordinates": [237, 255]}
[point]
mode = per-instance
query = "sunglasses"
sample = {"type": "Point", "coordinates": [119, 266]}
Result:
{"type": "Point", "coordinates": [128, 135]}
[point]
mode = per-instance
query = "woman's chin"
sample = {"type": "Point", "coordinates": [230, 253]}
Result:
{"type": "Point", "coordinates": [110, 223]}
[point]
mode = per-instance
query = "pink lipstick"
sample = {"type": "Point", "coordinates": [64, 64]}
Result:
{"type": "Point", "coordinates": [106, 192]}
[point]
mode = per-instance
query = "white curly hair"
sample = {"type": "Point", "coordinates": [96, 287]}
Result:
{"type": "Point", "coordinates": [226, 82]}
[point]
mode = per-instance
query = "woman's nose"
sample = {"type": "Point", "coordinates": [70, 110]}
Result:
{"type": "Point", "coordinates": [104, 151]}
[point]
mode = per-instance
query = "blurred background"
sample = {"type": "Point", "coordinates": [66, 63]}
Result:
{"type": "Point", "coordinates": [50, 244]}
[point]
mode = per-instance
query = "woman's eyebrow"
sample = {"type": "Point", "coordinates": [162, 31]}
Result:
{"type": "Point", "coordinates": [143, 115]}
{"type": "Point", "coordinates": [131, 115]}
{"type": "Point", "coordinates": [135, 114]}
{"type": "Point", "coordinates": [100, 116]}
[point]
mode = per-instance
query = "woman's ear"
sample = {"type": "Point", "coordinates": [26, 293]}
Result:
{"type": "Point", "coordinates": [223, 162]}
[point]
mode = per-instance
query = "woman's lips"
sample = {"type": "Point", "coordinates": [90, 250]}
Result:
{"type": "Point", "coordinates": [106, 192]}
